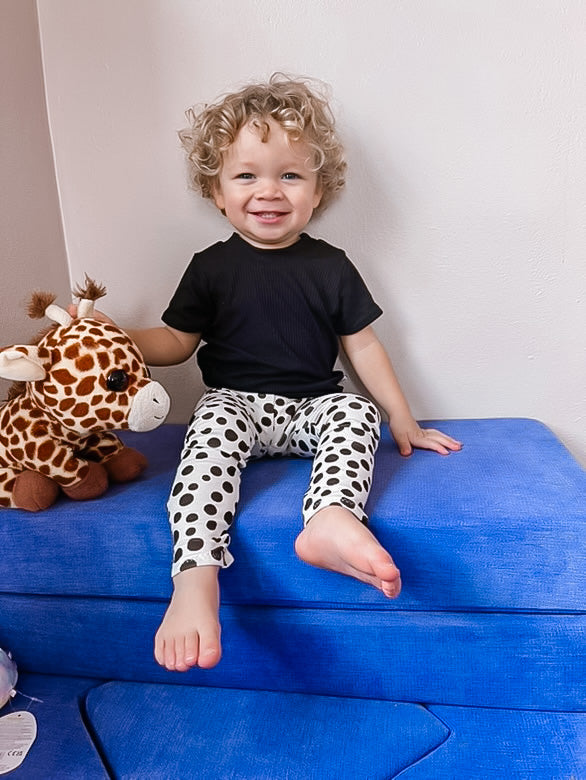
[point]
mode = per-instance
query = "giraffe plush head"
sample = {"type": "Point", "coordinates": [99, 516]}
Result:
{"type": "Point", "coordinates": [80, 382]}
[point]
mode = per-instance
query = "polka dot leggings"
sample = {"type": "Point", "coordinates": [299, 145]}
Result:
{"type": "Point", "coordinates": [228, 428]}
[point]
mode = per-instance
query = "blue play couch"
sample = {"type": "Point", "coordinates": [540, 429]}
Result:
{"type": "Point", "coordinates": [476, 671]}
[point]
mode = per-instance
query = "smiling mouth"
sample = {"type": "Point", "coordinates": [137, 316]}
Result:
{"type": "Point", "coordinates": [268, 215]}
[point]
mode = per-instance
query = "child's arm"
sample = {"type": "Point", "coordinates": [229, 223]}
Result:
{"type": "Point", "coordinates": [164, 346]}
{"type": "Point", "coordinates": [373, 366]}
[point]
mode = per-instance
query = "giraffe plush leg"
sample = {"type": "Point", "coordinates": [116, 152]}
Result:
{"type": "Point", "coordinates": [125, 465]}
{"type": "Point", "coordinates": [33, 491]}
{"type": "Point", "coordinates": [92, 485]}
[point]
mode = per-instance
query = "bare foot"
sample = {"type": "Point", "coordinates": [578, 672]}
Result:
{"type": "Point", "coordinates": [336, 540]}
{"type": "Point", "coordinates": [189, 634]}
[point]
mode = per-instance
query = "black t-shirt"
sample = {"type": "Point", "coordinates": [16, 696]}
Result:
{"type": "Point", "coordinates": [271, 318]}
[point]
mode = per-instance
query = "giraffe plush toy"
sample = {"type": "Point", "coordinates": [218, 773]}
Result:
{"type": "Point", "coordinates": [82, 380]}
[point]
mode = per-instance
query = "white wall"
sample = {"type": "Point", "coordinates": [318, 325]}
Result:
{"type": "Point", "coordinates": [464, 122]}
{"type": "Point", "coordinates": [31, 239]}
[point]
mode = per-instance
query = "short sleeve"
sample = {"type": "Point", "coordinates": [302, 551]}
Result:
{"type": "Point", "coordinates": [356, 306]}
{"type": "Point", "coordinates": [191, 307]}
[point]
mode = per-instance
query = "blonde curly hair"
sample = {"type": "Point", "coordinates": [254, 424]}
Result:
{"type": "Point", "coordinates": [300, 107]}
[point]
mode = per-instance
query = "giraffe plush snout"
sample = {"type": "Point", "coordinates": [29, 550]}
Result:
{"type": "Point", "coordinates": [150, 407]}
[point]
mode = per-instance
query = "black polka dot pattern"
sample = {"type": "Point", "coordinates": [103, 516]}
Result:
{"type": "Point", "coordinates": [228, 428]}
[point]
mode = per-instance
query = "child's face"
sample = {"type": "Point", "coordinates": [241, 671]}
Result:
{"type": "Point", "coordinates": [267, 190]}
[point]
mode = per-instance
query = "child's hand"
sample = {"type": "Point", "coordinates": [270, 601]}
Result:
{"type": "Point", "coordinates": [408, 434]}
{"type": "Point", "coordinates": [97, 315]}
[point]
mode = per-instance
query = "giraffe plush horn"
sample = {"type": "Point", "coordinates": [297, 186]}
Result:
{"type": "Point", "coordinates": [85, 308]}
{"type": "Point", "coordinates": [59, 315]}
{"type": "Point", "coordinates": [88, 295]}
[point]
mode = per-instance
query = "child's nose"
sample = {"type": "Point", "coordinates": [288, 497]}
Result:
{"type": "Point", "coordinates": [269, 189]}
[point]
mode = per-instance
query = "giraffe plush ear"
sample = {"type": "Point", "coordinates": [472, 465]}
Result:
{"type": "Point", "coordinates": [21, 363]}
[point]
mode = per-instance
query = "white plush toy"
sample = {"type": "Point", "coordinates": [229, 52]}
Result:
{"type": "Point", "coordinates": [8, 677]}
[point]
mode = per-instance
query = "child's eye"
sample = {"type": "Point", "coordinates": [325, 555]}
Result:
{"type": "Point", "coordinates": [245, 176]}
{"type": "Point", "coordinates": [290, 176]}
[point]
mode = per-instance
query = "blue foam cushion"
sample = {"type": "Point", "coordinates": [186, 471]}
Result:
{"type": "Point", "coordinates": [171, 732]}
{"type": "Point", "coordinates": [497, 744]}
{"type": "Point", "coordinates": [490, 660]}
{"type": "Point", "coordinates": [63, 749]}
{"type": "Point", "coordinates": [498, 526]}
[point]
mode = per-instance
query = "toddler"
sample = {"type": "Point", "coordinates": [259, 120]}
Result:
{"type": "Point", "coordinates": [271, 306]}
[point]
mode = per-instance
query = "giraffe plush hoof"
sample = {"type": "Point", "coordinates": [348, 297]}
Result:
{"type": "Point", "coordinates": [33, 491]}
{"type": "Point", "coordinates": [126, 465]}
{"type": "Point", "coordinates": [92, 485]}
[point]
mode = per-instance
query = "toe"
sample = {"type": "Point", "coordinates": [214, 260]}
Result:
{"type": "Point", "coordinates": [170, 658]}
{"type": "Point", "coordinates": [191, 649]}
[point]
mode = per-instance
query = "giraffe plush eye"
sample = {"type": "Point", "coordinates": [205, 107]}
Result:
{"type": "Point", "coordinates": [117, 381]}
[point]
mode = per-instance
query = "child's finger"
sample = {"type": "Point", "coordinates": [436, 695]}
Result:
{"type": "Point", "coordinates": [438, 441]}
{"type": "Point", "coordinates": [404, 445]}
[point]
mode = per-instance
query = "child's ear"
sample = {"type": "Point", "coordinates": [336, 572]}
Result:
{"type": "Point", "coordinates": [217, 196]}
{"type": "Point", "coordinates": [319, 191]}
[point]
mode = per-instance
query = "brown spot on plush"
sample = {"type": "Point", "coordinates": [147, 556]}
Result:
{"type": "Point", "coordinates": [18, 453]}
{"type": "Point", "coordinates": [86, 386]}
{"type": "Point", "coordinates": [51, 401]}
{"type": "Point", "coordinates": [88, 423]}
{"type": "Point", "coordinates": [104, 359]}
{"type": "Point", "coordinates": [80, 410]}
{"type": "Point", "coordinates": [5, 501]}
{"type": "Point", "coordinates": [30, 449]}
{"type": "Point", "coordinates": [66, 404]}
{"type": "Point", "coordinates": [44, 469]}
{"type": "Point", "coordinates": [46, 449]}
{"type": "Point", "coordinates": [111, 329]}
{"type": "Point", "coordinates": [38, 429]}
{"type": "Point", "coordinates": [45, 353]}
{"type": "Point", "coordinates": [35, 413]}
{"type": "Point", "coordinates": [52, 389]}
{"type": "Point", "coordinates": [59, 458]}
{"type": "Point", "coordinates": [63, 377]}
{"type": "Point", "coordinates": [20, 423]}
{"type": "Point", "coordinates": [70, 465]}
{"type": "Point", "coordinates": [103, 414]}
{"type": "Point", "coordinates": [84, 363]}
{"type": "Point", "coordinates": [118, 416]}
{"type": "Point", "coordinates": [14, 440]}
{"type": "Point", "coordinates": [96, 400]}
{"type": "Point", "coordinates": [71, 351]}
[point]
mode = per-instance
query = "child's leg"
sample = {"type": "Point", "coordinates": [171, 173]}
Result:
{"type": "Point", "coordinates": [205, 492]}
{"type": "Point", "coordinates": [201, 510]}
{"type": "Point", "coordinates": [348, 431]}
